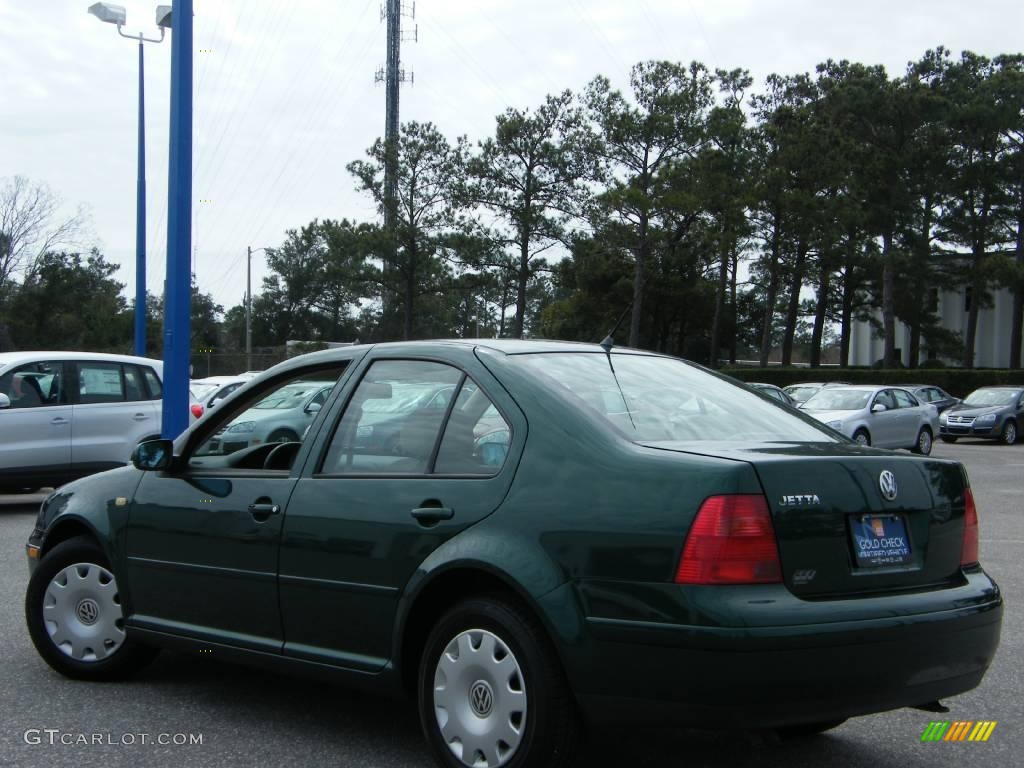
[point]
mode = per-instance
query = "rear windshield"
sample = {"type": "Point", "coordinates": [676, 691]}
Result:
{"type": "Point", "coordinates": [839, 400]}
{"type": "Point", "coordinates": [656, 398]}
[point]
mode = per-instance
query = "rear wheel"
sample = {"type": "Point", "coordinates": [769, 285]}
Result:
{"type": "Point", "coordinates": [492, 691]}
{"type": "Point", "coordinates": [923, 445]}
{"type": "Point", "coordinates": [807, 730]}
{"type": "Point", "coordinates": [74, 616]}
{"type": "Point", "coordinates": [947, 438]}
{"type": "Point", "coordinates": [861, 437]}
{"type": "Point", "coordinates": [1009, 434]}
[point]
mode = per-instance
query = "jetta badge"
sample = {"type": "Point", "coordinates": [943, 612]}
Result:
{"type": "Point", "coordinates": [887, 484]}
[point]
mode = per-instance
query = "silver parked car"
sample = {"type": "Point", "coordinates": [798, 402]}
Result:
{"type": "Point", "coordinates": [885, 417]}
{"type": "Point", "coordinates": [283, 417]}
{"type": "Point", "coordinates": [64, 415]}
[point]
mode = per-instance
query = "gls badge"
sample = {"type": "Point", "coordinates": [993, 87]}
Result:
{"type": "Point", "coordinates": [799, 500]}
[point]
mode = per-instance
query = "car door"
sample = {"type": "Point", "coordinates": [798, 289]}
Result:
{"type": "Point", "coordinates": [910, 416]}
{"type": "Point", "coordinates": [35, 431]}
{"type": "Point", "coordinates": [884, 425]}
{"type": "Point", "coordinates": [202, 540]}
{"type": "Point", "coordinates": [392, 480]}
{"type": "Point", "coordinates": [110, 415]}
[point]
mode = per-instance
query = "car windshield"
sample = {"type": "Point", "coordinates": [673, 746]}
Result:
{"type": "Point", "coordinates": [839, 400]}
{"type": "Point", "coordinates": [655, 398]}
{"type": "Point", "coordinates": [199, 391]}
{"type": "Point", "coordinates": [291, 396]}
{"type": "Point", "coordinates": [991, 397]}
{"type": "Point", "coordinates": [800, 394]}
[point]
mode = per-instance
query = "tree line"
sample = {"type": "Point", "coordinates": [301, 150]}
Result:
{"type": "Point", "coordinates": [720, 220]}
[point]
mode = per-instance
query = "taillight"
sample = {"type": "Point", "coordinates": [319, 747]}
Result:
{"type": "Point", "coordinates": [969, 551]}
{"type": "Point", "coordinates": [197, 409]}
{"type": "Point", "coordinates": [732, 541]}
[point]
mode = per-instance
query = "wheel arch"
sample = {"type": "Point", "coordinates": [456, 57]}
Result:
{"type": "Point", "coordinates": [70, 527]}
{"type": "Point", "coordinates": [443, 587]}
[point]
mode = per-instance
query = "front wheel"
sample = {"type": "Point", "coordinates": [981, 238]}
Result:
{"type": "Point", "coordinates": [1009, 434]}
{"type": "Point", "coordinates": [923, 445]}
{"type": "Point", "coordinates": [74, 616]}
{"type": "Point", "coordinates": [861, 437]}
{"type": "Point", "coordinates": [492, 691]}
{"type": "Point", "coordinates": [283, 436]}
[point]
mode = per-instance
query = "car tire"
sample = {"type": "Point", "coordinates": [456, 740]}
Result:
{"type": "Point", "coordinates": [807, 730]}
{"type": "Point", "coordinates": [947, 439]}
{"type": "Point", "coordinates": [80, 633]}
{"type": "Point", "coordinates": [923, 446]}
{"type": "Point", "coordinates": [283, 436]}
{"type": "Point", "coordinates": [1009, 434]}
{"type": "Point", "coordinates": [861, 437]}
{"type": "Point", "coordinates": [516, 679]}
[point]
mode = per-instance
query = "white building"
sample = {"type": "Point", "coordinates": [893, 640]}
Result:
{"type": "Point", "coordinates": [991, 343]}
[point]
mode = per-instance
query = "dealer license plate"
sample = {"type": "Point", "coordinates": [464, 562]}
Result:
{"type": "Point", "coordinates": [880, 540]}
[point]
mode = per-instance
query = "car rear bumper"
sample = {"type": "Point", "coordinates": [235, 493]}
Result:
{"type": "Point", "coordinates": [763, 677]}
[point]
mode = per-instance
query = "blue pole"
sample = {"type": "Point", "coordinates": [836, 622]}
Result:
{"type": "Point", "coordinates": [140, 224]}
{"type": "Point", "coordinates": [178, 290]}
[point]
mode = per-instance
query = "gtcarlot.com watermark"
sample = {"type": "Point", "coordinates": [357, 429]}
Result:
{"type": "Point", "coordinates": [55, 736]}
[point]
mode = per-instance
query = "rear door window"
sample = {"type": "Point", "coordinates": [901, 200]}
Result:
{"type": "Point", "coordinates": [476, 438]}
{"type": "Point", "coordinates": [904, 399]}
{"type": "Point", "coordinates": [393, 421]}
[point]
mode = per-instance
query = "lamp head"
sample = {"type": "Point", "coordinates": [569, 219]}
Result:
{"type": "Point", "coordinates": [112, 14]}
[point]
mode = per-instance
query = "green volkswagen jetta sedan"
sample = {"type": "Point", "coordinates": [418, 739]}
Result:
{"type": "Point", "coordinates": [564, 536]}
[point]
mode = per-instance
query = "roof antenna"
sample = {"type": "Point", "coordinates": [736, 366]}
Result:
{"type": "Point", "coordinates": [609, 341]}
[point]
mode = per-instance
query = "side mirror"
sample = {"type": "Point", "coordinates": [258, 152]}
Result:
{"type": "Point", "coordinates": [5, 401]}
{"type": "Point", "coordinates": [153, 455]}
{"type": "Point", "coordinates": [314, 408]}
{"type": "Point", "coordinates": [878, 408]}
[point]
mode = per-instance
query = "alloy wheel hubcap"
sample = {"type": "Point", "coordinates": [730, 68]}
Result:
{"type": "Point", "coordinates": [861, 439]}
{"type": "Point", "coordinates": [1011, 433]}
{"type": "Point", "coordinates": [924, 442]}
{"type": "Point", "coordinates": [480, 699]}
{"type": "Point", "coordinates": [82, 612]}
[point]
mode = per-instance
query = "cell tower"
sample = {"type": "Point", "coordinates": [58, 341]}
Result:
{"type": "Point", "coordinates": [393, 75]}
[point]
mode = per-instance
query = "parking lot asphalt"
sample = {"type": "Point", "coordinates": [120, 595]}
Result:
{"type": "Point", "coordinates": [252, 718]}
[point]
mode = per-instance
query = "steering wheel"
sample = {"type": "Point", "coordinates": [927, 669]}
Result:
{"type": "Point", "coordinates": [282, 456]}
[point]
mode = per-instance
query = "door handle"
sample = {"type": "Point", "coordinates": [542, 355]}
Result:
{"type": "Point", "coordinates": [264, 509]}
{"type": "Point", "coordinates": [433, 514]}
{"type": "Point", "coordinates": [140, 417]}
{"type": "Point", "coordinates": [58, 420]}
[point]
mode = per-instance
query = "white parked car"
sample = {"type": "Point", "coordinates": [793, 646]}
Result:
{"type": "Point", "coordinates": [206, 393]}
{"type": "Point", "coordinates": [64, 415]}
{"type": "Point", "coordinates": [885, 417]}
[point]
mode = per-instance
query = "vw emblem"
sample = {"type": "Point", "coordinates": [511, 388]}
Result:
{"type": "Point", "coordinates": [87, 611]}
{"type": "Point", "coordinates": [481, 699]}
{"type": "Point", "coordinates": [887, 484]}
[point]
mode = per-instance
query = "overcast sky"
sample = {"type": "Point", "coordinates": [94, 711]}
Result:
{"type": "Point", "coordinates": [285, 97]}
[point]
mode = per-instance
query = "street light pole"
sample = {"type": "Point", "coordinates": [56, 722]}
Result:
{"type": "Point", "coordinates": [178, 294]}
{"type": "Point", "coordinates": [140, 220]}
{"type": "Point", "coordinates": [248, 305]}
{"type": "Point", "coordinates": [115, 14]}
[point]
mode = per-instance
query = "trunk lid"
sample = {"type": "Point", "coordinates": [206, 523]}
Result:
{"type": "Point", "coordinates": [828, 505]}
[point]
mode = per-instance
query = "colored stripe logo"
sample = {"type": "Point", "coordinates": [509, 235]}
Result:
{"type": "Point", "coordinates": [958, 730]}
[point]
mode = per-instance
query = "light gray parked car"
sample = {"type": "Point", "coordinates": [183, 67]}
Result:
{"type": "Point", "coordinates": [64, 415]}
{"type": "Point", "coordinates": [283, 417]}
{"type": "Point", "coordinates": [885, 417]}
